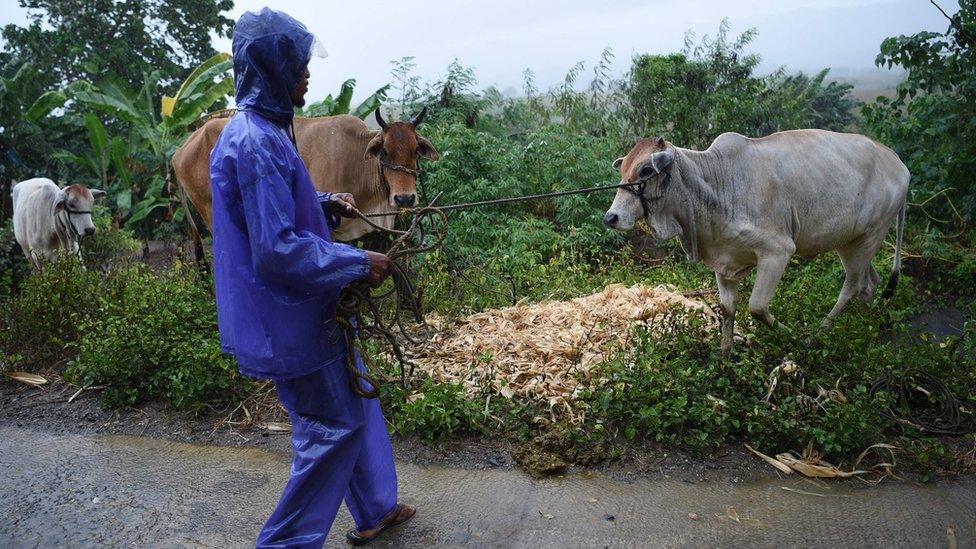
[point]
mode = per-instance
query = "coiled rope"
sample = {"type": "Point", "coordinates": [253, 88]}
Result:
{"type": "Point", "coordinates": [359, 312]}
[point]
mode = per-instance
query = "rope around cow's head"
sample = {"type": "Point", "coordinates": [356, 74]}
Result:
{"type": "Point", "coordinates": [360, 311]}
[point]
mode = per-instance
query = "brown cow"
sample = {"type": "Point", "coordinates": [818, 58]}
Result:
{"type": "Point", "coordinates": [379, 168]}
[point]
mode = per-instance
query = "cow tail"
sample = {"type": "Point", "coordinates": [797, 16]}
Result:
{"type": "Point", "coordinates": [896, 263]}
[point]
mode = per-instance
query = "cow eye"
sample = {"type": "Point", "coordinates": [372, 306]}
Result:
{"type": "Point", "coordinates": [646, 171]}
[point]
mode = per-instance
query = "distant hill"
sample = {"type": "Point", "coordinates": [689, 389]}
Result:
{"type": "Point", "coordinates": [868, 83]}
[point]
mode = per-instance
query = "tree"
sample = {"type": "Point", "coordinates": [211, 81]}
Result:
{"type": "Point", "coordinates": [710, 88]}
{"type": "Point", "coordinates": [67, 40]}
{"type": "Point", "coordinates": [931, 122]}
{"type": "Point", "coordinates": [136, 163]}
{"type": "Point", "coordinates": [26, 136]}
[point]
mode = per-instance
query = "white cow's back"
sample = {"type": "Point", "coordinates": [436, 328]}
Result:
{"type": "Point", "coordinates": [33, 202]}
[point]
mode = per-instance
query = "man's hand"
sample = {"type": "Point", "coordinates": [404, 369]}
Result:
{"type": "Point", "coordinates": [379, 268]}
{"type": "Point", "coordinates": [343, 204]}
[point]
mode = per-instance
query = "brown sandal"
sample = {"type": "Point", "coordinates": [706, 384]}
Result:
{"type": "Point", "coordinates": [393, 519]}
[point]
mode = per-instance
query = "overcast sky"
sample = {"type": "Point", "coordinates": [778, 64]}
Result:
{"type": "Point", "coordinates": [501, 39]}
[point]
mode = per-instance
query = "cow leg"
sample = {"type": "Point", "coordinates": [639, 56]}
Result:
{"type": "Point", "coordinates": [728, 293]}
{"type": "Point", "coordinates": [870, 284]}
{"type": "Point", "coordinates": [769, 270]}
{"type": "Point", "coordinates": [860, 278]}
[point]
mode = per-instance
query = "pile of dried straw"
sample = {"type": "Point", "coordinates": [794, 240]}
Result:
{"type": "Point", "coordinates": [542, 351]}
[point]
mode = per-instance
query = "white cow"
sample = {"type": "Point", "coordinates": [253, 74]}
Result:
{"type": "Point", "coordinates": [49, 220]}
{"type": "Point", "coordinates": [753, 203]}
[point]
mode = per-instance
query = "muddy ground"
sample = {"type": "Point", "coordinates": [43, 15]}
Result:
{"type": "Point", "coordinates": [46, 409]}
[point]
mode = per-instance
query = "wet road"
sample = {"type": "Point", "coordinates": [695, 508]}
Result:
{"type": "Point", "coordinates": [95, 491]}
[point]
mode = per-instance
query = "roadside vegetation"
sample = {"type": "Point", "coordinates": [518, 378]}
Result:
{"type": "Point", "coordinates": [141, 334]}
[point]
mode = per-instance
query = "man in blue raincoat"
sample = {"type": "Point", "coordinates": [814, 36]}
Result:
{"type": "Point", "coordinates": [278, 275]}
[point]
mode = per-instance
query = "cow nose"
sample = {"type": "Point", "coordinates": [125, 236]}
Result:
{"type": "Point", "coordinates": [89, 231]}
{"type": "Point", "coordinates": [405, 200]}
{"type": "Point", "coordinates": [610, 219]}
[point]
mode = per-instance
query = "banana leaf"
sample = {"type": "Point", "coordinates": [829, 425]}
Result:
{"type": "Point", "coordinates": [44, 105]}
{"type": "Point", "coordinates": [96, 134]}
{"type": "Point", "coordinates": [371, 103]}
{"type": "Point", "coordinates": [205, 72]}
{"type": "Point", "coordinates": [190, 109]}
{"type": "Point", "coordinates": [345, 96]}
{"type": "Point", "coordinates": [120, 106]}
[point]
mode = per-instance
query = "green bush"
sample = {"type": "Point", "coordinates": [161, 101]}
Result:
{"type": "Point", "coordinates": [432, 409]}
{"type": "Point", "coordinates": [930, 122]}
{"type": "Point", "coordinates": [674, 387]}
{"type": "Point", "coordinates": [155, 336]}
{"type": "Point", "coordinates": [710, 88]}
{"type": "Point", "coordinates": [109, 245]}
{"type": "Point", "coordinates": [42, 321]}
{"type": "Point", "coordinates": [13, 265]}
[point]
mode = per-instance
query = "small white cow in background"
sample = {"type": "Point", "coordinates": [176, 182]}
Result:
{"type": "Point", "coordinates": [754, 203]}
{"type": "Point", "coordinates": [49, 220]}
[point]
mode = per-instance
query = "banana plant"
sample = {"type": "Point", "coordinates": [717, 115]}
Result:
{"type": "Point", "coordinates": [331, 106]}
{"type": "Point", "coordinates": [154, 134]}
{"type": "Point", "coordinates": [207, 84]}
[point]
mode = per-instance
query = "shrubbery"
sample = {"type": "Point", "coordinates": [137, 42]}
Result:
{"type": "Point", "coordinates": [42, 322]}
{"type": "Point", "coordinates": [139, 334]}
{"type": "Point", "coordinates": [155, 336]}
{"type": "Point", "coordinates": [13, 264]}
{"type": "Point", "coordinates": [675, 387]}
{"type": "Point", "coordinates": [433, 410]}
{"type": "Point", "coordinates": [108, 246]}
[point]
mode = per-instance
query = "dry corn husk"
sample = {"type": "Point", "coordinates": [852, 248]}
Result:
{"type": "Point", "coordinates": [543, 351]}
{"type": "Point", "coordinates": [28, 378]}
{"type": "Point", "coordinates": [811, 464]}
{"type": "Point", "coordinates": [276, 427]}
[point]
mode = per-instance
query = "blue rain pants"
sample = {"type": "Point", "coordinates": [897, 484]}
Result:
{"type": "Point", "coordinates": [341, 450]}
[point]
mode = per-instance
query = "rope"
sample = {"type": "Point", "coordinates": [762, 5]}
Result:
{"type": "Point", "coordinates": [925, 403]}
{"type": "Point", "coordinates": [359, 313]}
{"type": "Point", "coordinates": [509, 200]}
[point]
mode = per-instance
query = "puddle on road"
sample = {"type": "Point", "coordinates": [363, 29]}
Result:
{"type": "Point", "coordinates": [88, 491]}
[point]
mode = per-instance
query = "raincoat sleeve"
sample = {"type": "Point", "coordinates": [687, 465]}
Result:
{"type": "Point", "coordinates": [281, 253]}
{"type": "Point", "coordinates": [332, 219]}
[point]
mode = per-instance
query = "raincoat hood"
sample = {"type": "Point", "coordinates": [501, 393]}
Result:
{"type": "Point", "coordinates": [271, 51]}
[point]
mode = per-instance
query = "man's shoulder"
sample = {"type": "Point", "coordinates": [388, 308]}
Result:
{"type": "Point", "coordinates": [251, 131]}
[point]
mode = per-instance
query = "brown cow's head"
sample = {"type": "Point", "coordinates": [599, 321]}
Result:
{"type": "Point", "coordinates": [74, 209]}
{"type": "Point", "coordinates": [647, 167]}
{"type": "Point", "coordinates": [398, 146]}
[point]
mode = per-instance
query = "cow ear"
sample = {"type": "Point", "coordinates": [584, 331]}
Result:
{"type": "Point", "coordinates": [662, 160]}
{"type": "Point", "coordinates": [374, 146]}
{"type": "Point", "coordinates": [618, 162]}
{"type": "Point", "coordinates": [62, 198]}
{"type": "Point", "coordinates": [660, 141]}
{"type": "Point", "coordinates": [426, 149]}
{"type": "Point", "coordinates": [97, 193]}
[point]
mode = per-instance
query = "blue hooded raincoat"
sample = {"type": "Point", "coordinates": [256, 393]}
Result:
{"type": "Point", "coordinates": [277, 275]}
{"type": "Point", "coordinates": [276, 266]}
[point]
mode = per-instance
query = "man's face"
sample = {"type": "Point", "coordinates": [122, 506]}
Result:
{"type": "Point", "coordinates": [298, 94]}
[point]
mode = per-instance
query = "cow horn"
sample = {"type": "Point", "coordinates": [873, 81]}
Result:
{"type": "Point", "coordinates": [419, 118]}
{"type": "Point", "coordinates": [379, 119]}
